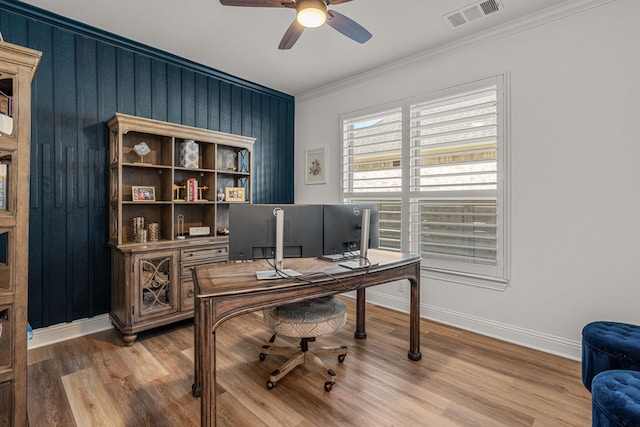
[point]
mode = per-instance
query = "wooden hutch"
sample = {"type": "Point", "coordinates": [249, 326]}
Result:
{"type": "Point", "coordinates": [171, 186]}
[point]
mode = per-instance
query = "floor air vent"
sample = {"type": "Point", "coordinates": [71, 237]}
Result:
{"type": "Point", "coordinates": [473, 12]}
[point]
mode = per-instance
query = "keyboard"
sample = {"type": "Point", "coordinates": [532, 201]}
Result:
{"type": "Point", "coordinates": [341, 257]}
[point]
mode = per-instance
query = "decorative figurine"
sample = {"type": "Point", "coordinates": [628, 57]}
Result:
{"type": "Point", "coordinates": [231, 162]}
{"type": "Point", "coordinates": [220, 195]}
{"type": "Point", "coordinates": [142, 149]}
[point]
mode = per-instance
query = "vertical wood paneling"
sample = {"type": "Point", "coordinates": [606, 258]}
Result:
{"type": "Point", "coordinates": [174, 92]}
{"type": "Point", "coordinates": [225, 107]}
{"type": "Point", "coordinates": [16, 27]}
{"type": "Point", "coordinates": [188, 98]}
{"type": "Point", "coordinates": [41, 136]}
{"type": "Point", "coordinates": [236, 110]}
{"type": "Point", "coordinates": [158, 90]}
{"type": "Point", "coordinates": [143, 86]}
{"type": "Point", "coordinates": [275, 159]}
{"type": "Point", "coordinates": [73, 241]}
{"type": "Point", "coordinates": [85, 76]}
{"type": "Point", "coordinates": [247, 112]}
{"type": "Point", "coordinates": [49, 278]}
{"type": "Point", "coordinates": [125, 86]}
{"type": "Point", "coordinates": [65, 136]}
{"type": "Point", "coordinates": [201, 101]}
{"type": "Point", "coordinates": [214, 104]}
{"type": "Point", "coordinates": [36, 252]}
{"type": "Point", "coordinates": [89, 130]}
{"type": "Point", "coordinates": [100, 280]}
{"type": "Point", "coordinates": [107, 81]}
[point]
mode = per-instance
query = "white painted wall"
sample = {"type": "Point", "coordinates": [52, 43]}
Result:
{"type": "Point", "coordinates": [575, 171]}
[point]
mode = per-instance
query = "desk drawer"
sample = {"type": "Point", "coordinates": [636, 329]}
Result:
{"type": "Point", "coordinates": [187, 296]}
{"type": "Point", "coordinates": [213, 253]}
{"type": "Point", "coordinates": [185, 268]}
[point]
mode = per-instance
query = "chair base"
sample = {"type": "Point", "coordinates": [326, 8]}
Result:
{"type": "Point", "coordinates": [304, 355]}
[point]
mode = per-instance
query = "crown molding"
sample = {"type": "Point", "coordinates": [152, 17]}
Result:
{"type": "Point", "coordinates": [32, 12]}
{"type": "Point", "coordinates": [551, 14]}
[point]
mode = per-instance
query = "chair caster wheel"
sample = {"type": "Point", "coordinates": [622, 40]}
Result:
{"type": "Point", "coordinates": [328, 386]}
{"type": "Point", "coordinates": [341, 357]}
{"type": "Point", "coordinates": [263, 356]}
{"type": "Point", "coordinates": [271, 385]}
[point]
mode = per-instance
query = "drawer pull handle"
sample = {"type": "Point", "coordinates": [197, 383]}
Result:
{"type": "Point", "coordinates": [190, 293]}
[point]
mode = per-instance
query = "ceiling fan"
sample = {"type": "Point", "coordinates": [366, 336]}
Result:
{"type": "Point", "coordinates": [309, 14]}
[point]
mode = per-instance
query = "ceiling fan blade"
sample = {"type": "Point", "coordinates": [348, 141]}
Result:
{"type": "Point", "coordinates": [292, 35]}
{"type": "Point", "coordinates": [257, 3]}
{"type": "Point", "coordinates": [348, 27]}
{"type": "Point", "coordinates": [332, 2]}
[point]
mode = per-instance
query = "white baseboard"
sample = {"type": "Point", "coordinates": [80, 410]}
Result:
{"type": "Point", "coordinates": [551, 344]}
{"type": "Point", "coordinates": [65, 331]}
{"type": "Point", "coordinates": [527, 338]}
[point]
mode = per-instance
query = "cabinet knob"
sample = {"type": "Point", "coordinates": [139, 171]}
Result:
{"type": "Point", "coordinates": [190, 293]}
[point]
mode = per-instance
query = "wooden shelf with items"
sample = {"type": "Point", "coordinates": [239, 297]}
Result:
{"type": "Point", "coordinates": [18, 66]}
{"type": "Point", "coordinates": [164, 209]}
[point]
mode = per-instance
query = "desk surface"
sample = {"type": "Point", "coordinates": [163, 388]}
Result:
{"type": "Point", "coordinates": [240, 277]}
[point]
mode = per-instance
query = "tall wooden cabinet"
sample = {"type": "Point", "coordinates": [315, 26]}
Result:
{"type": "Point", "coordinates": [171, 186]}
{"type": "Point", "coordinates": [17, 69]}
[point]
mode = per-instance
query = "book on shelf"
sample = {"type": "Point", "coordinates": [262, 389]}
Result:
{"type": "Point", "coordinates": [6, 104]}
{"type": "Point", "coordinates": [192, 190]}
{"type": "Point", "coordinates": [3, 186]}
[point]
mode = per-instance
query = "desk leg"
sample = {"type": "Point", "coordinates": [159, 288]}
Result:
{"type": "Point", "coordinates": [414, 327]}
{"type": "Point", "coordinates": [196, 387]}
{"type": "Point", "coordinates": [361, 301]}
{"type": "Point", "coordinates": [208, 365]}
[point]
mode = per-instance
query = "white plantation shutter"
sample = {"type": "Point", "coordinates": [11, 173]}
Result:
{"type": "Point", "coordinates": [372, 146]}
{"type": "Point", "coordinates": [457, 230]}
{"type": "Point", "coordinates": [372, 168]}
{"type": "Point", "coordinates": [437, 164]}
{"type": "Point", "coordinates": [454, 178]}
{"type": "Point", "coordinates": [454, 143]}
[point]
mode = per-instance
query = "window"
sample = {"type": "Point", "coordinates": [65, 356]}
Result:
{"type": "Point", "coordinates": [437, 166]}
{"type": "Point", "coordinates": [372, 167]}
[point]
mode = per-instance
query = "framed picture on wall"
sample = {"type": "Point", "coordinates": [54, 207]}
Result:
{"type": "Point", "coordinates": [315, 166]}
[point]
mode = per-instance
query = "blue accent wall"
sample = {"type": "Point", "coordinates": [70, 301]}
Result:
{"type": "Point", "coordinates": [85, 76]}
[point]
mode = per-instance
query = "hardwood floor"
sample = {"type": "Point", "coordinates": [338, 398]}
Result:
{"type": "Point", "coordinates": [463, 379]}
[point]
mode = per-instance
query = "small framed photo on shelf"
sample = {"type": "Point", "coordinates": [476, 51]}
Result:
{"type": "Point", "coordinates": [234, 194]}
{"type": "Point", "coordinates": [143, 193]}
{"type": "Point", "coordinates": [315, 167]}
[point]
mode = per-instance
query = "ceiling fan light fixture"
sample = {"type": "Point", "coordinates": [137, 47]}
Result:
{"type": "Point", "coordinates": [311, 13]}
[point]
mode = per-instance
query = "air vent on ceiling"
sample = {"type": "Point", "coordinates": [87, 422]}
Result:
{"type": "Point", "coordinates": [473, 12]}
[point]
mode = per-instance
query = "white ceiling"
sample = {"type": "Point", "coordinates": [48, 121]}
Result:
{"type": "Point", "coordinates": [243, 41]}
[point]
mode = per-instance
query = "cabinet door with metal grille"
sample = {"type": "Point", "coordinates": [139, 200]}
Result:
{"type": "Point", "coordinates": [155, 284]}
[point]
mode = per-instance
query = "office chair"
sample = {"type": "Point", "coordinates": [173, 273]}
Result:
{"type": "Point", "coordinates": [305, 320]}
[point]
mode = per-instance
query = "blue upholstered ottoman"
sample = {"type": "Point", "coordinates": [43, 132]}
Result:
{"type": "Point", "coordinates": [609, 345]}
{"type": "Point", "coordinates": [615, 397]}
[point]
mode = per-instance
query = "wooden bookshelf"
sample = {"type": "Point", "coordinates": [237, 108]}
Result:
{"type": "Point", "coordinates": [18, 66]}
{"type": "Point", "coordinates": [157, 231]}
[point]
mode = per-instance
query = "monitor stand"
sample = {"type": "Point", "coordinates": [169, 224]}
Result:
{"type": "Point", "coordinates": [361, 261]}
{"type": "Point", "coordinates": [279, 272]}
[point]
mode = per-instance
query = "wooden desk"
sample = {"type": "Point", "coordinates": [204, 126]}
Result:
{"type": "Point", "coordinates": [225, 291]}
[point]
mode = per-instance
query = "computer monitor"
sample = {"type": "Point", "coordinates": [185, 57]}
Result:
{"type": "Point", "coordinates": [343, 227]}
{"type": "Point", "coordinates": [252, 231]}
